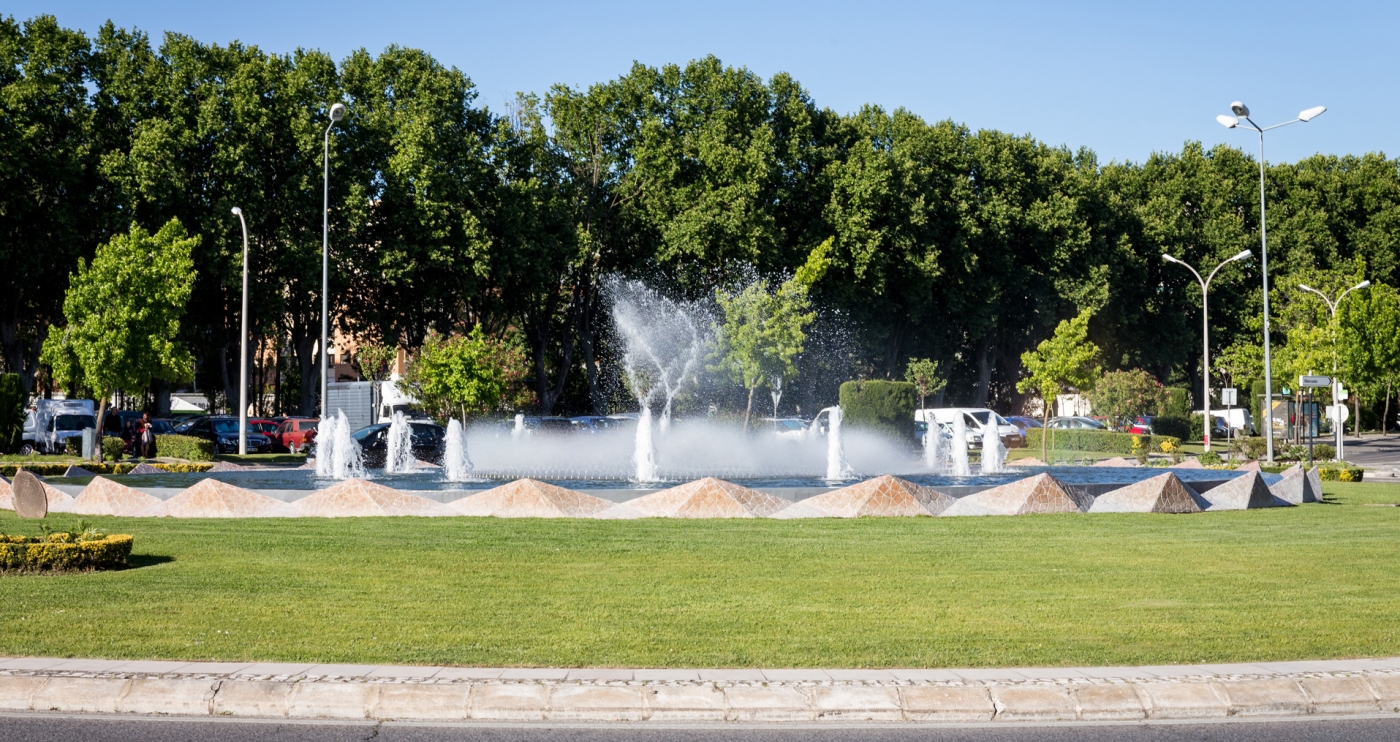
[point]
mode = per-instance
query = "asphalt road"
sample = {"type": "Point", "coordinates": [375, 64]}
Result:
{"type": "Point", "coordinates": [61, 728]}
{"type": "Point", "coordinates": [1374, 451]}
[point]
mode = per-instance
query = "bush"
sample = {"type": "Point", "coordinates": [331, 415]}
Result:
{"type": "Point", "coordinates": [113, 448]}
{"type": "Point", "coordinates": [1099, 441]}
{"type": "Point", "coordinates": [1256, 405]}
{"type": "Point", "coordinates": [73, 446]}
{"type": "Point", "coordinates": [885, 406]}
{"type": "Point", "coordinates": [53, 469]}
{"type": "Point", "coordinates": [12, 401]}
{"type": "Point", "coordinates": [1340, 471]}
{"type": "Point", "coordinates": [1210, 458]}
{"type": "Point", "coordinates": [185, 447]}
{"type": "Point", "coordinates": [1324, 452]}
{"type": "Point", "coordinates": [64, 552]}
{"type": "Point", "coordinates": [1178, 403]}
{"type": "Point", "coordinates": [1253, 448]}
{"type": "Point", "coordinates": [1176, 427]}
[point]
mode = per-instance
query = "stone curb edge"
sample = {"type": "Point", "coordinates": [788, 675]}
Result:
{"type": "Point", "coordinates": [771, 702]}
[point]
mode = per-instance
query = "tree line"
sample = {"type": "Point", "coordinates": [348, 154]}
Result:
{"type": "Point", "coordinates": [966, 248]}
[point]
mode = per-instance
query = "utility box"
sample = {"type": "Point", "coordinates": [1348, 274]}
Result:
{"type": "Point", "coordinates": [359, 401]}
{"type": "Point", "coordinates": [89, 439]}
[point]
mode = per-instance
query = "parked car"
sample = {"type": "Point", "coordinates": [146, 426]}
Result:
{"type": "Point", "coordinates": [223, 431]}
{"type": "Point", "coordinates": [118, 422]}
{"type": "Point", "coordinates": [592, 424]}
{"type": "Point", "coordinates": [1024, 423]}
{"type": "Point", "coordinates": [161, 426]}
{"type": "Point", "coordinates": [1141, 425]}
{"type": "Point", "coordinates": [429, 442]}
{"type": "Point", "coordinates": [979, 420]}
{"type": "Point", "coordinates": [789, 428]}
{"type": "Point", "coordinates": [295, 434]}
{"type": "Point", "coordinates": [1075, 423]}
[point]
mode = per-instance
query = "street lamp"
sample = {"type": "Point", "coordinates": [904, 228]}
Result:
{"type": "Point", "coordinates": [1205, 333]}
{"type": "Point", "coordinates": [337, 113]}
{"type": "Point", "coordinates": [1241, 111]}
{"type": "Point", "coordinates": [243, 348]}
{"type": "Point", "coordinates": [1336, 385]}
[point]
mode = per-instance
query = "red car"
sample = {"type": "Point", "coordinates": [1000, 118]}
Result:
{"type": "Point", "coordinates": [295, 434]}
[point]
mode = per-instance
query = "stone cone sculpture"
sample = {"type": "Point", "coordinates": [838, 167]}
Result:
{"type": "Point", "coordinates": [1116, 461]}
{"type": "Point", "coordinates": [1041, 493]}
{"type": "Point", "coordinates": [881, 496]}
{"type": "Point", "coordinates": [210, 498]}
{"type": "Point", "coordinates": [102, 496]}
{"type": "Point", "coordinates": [1163, 493]}
{"type": "Point", "coordinates": [1188, 464]}
{"type": "Point", "coordinates": [1244, 492]}
{"type": "Point", "coordinates": [708, 498]}
{"type": "Point", "coordinates": [357, 497]}
{"type": "Point", "coordinates": [7, 495]}
{"type": "Point", "coordinates": [530, 498]}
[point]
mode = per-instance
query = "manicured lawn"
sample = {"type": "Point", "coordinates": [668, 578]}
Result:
{"type": "Point", "coordinates": [1319, 581]}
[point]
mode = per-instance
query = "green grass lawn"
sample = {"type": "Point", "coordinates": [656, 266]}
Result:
{"type": "Point", "coordinates": [1319, 581]}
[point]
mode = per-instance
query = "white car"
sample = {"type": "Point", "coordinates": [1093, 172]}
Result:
{"type": "Point", "coordinates": [977, 420]}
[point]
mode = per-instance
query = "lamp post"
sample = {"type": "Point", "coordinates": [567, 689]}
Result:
{"type": "Point", "coordinates": [1336, 385]}
{"type": "Point", "coordinates": [337, 113]}
{"type": "Point", "coordinates": [243, 348]}
{"type": "Point", "coordinates": [1241, 111]}
{"type": "Point", "coordinates": [1205, 334]}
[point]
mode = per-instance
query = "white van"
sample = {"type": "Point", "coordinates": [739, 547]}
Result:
{"type": "Point", "coordinates": [49, 423]}
{"type": "Point", "coordinates": [977, 420]}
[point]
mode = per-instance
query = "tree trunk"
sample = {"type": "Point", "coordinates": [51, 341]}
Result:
{"type": "Point", "coordinates": [1357, 404]}
{"type": "Point", "coordinates": [101, 418]}
{"type": "Point", "coordinates": [1045, 429]}
{"type": "Point", "coordinates": [749, 410]}
{"type": "Point", "coordinates": [982, 390]}
{"type": "Point", "coordinates": [302, 342]}
{"type": "Point", "coordinates": [1385, 416]}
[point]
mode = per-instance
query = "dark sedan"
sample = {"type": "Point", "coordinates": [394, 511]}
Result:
{"type": "Point", "coordinates": [223, 431]}
{"type": "Point", "coordinates": [429, 443]}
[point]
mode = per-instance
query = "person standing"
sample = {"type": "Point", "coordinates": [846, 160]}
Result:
{"type": "Point", "coordinates": [146, 444]}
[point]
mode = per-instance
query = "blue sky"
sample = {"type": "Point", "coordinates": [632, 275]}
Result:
{"type": "Point", "coordinates": [1125, 79]}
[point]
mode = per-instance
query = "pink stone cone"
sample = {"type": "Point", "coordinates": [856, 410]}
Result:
{"type": "Point", "coordinates": [210, 498]}
{"type": "Point", "coordinates": [1118, 461]}
{"type": "Point", "coordinates": [357, 497]}
{"type": "Point", "coordinates": [1041, 493]}
{"type": "Point", "coordinates": [102, 496]}
{"type": "Point", "coordinates": [1188, 464]}
{"type": "Point", "coordinates": [1028, 461]}
{"type": "Point", "coordinates": [885, 495]}
{"type": "Point", "coordinates": [7, 495]}
{"type": "Point", "coordinates": [529, 498]}
{"type": "Point", "coordinates": [1251, 466]}
{"type": "Point", "coordinates": [708, 498]}
{"type": "Point", "coordinates": [1244, 492]}
{"type": "Point", "coordinates": [1163, 493]}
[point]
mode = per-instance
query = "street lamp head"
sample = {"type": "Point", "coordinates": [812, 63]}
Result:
{"type": "Point", "coordinates": [1169, 258]}
{"type": "Point", "coordinates": [1229, 122]}
{"type": "Point", "coordinates": [1243, 255]}
{"type": "Point", "coordinates": [337, 112]}
{"type": "Point", "coordinates": [1306, 287]}
{"type": "Point", "coordinates": [1239, 109]}
{"type": "Point", "coordinates": [237, 211]}
{"type": "Point", "coordinates": [1362, 285]}
{"type": "Point", "coordinates": [1312, 113]}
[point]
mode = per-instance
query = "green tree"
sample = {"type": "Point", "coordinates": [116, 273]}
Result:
{"type": "Point", "coordinates": [1067, 358]}
{"type": "Point", "coordinates": [123, 312]}
{"type": "Point", "coordinates": [923, 374]}
{"type": "Point", "coordinates": [1369, 322]}
{"type": "Point", "coordinates": [762, 333]}
{"type": "Point", "coordinates": [376, 362]}
{"type": "Point", "coordinates": [12, 403]}
{"type": "Point", "coordinates": [1123, 395]}
{"type": "Point", "coordinates": [463, 374]}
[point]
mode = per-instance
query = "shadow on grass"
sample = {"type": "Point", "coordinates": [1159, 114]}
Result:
{"type": "Point", "coordinates": [138, 561]}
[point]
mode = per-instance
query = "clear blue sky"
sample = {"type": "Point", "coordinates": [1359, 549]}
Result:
{"type": "Point", "coordinates": [1122, 78]}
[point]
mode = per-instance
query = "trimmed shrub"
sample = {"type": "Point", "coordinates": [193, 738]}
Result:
{"type": "Point", "coordinates": [1340, 472]}
{"type": "Point", "coordinates": [1254, 448]}
{"type": "Point", "coordinates": [50, 469]}
{"type": "Point", "coordinates": [12, 401]}
{"type": "Point", "coordinates": [1098, 441]}
{"type": "Point", "coordinates": [1210, 458]}
{"type": "Point", "coordinates": [1178, 403]}
{"type": "Point", "coordinates": [1324, 452]}
{"type": "Point", "coordinates": [185, 447]}
{"type": "Point", "coordinates": [885, 406]}
{"type": "Point", "coordinates": [73, 446]}
{"type": "Point", "coordinates": [1175, 427]}
{"type": "Point", "coordinates": [113, 449]}
{"type": "Point", "coordinates": [63, 552]}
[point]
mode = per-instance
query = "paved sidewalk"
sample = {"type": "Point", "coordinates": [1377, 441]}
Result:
{"type": "Point", "coordinates": [281, 690]}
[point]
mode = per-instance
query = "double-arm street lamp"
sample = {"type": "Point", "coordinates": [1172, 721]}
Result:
{"type": "Point", "coordinates": [1336, 385]}
{"type": "Point", "coordinates": [337, 113]}
{"type": "Point", "coordinates": [1205, 332]}
{"type": "Point", "coordinates": [243, 348]}
{"type": "Point", "coordinates": [1241, 111]}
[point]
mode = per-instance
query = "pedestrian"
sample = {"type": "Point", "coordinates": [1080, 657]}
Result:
{"type": "Point", "coordinates": [147, 441]}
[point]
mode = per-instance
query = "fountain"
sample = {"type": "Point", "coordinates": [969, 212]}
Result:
{"type": "Point", "coordinates": [519, 429]}
{"type": "Point", "coordinates": [663, 345]}
{"type": "Point", "coordinates": [455, 462]}
{"type": "Point", "coordinates": [775, 384]}
{"type": "Point", "coordinates": [338, 455]}
{"type": "Point", "coordinates": [836, 467]}
{"type": "Point", "coordinates": [399, 458]}
{"type": "Point", "coordinates": [993, 452]}
{"type": "Point", "coordinates": [935, 447]}
{"type": "Point", "coordinates": [960, 466]}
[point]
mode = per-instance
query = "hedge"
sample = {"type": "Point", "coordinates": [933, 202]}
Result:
{"type": "Point", "coordinates": [1176, 427]}
{"type": "Point", "coordinates": [1178, 402]}
{"type": "Point", "coordinates": [1340, 472]}
{"type": "Point", "coordinates": [184, 447]}
{"type": "Point", "coordinates": [52, 469]}
{"type": "Point", "coordinates": [885, 406]}
{"type": "Point", "coordinates": [63, 552]}
{"type": "Point", "coordinates": [1098, 441]}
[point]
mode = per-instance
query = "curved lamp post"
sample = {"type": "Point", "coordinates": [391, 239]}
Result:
{"type": "Point", "coordinates": [243, 348]}
{"type": "Point", "coordinates": [337, 113]}
{"type": "Point", "coordinates": [1332, 313]}
{"type": "Point", "coordinates": [1241, 111]}
{"type": "Point", "coordinates": [1205, 333]}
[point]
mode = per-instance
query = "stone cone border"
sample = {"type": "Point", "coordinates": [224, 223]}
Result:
{"type": "Point", "coordinates": [58, 500]}
{"type": "Point", "coordinates": [74, 470]}
{"type": "Point", "coordinates": [1041, 493]}
{"type": "Point", "coordinates": [7, 494]}
{"type": "Point", "coordinates": [1292, 489]}
{"type": "Point", "coordinates": [1117, 461]}
{"type": "Point", "coordinates": [1250, 466]}
{"type": "Point", "coordinates": [1313, 491]}
{"type": "Point", "coordinates": [1028, 461]}
{"type": "Point", "coordinates": [226, 466]}
{"type": "Point", "coordinates": [144, 468]}
{"type": "Point", "coordinates": [1188, 464]}
{"type": "Point", "coordinates": [102, 496]}
{"type": "Point", "coordinates": [1163, 493]}
{"type": "Point", "coordinates": [708, 498]}
{"type": "Point", "coordinates": [210, 498]}
{"type": "Point", "coordinates": [1244, 492]}
{"type": "Point", "coordinates": [882, 496]}
{"type": "Point", "coordinates": [359, 498]}
{"type": "Point", "coordinates": [530, 498]}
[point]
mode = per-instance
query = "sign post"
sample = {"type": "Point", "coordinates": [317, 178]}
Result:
{"type": "Point", "coordinates": [1310, 383]}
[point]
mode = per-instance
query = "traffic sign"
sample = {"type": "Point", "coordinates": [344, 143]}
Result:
{"type": "Point", "coordinates": [1227, 396]}
{"type": "Point", "coordinates": [1334, 411]}
{"type": "Point", "coordinates": [1342, 394]}
{"type": "Point", "coordinates": [1315, 382]}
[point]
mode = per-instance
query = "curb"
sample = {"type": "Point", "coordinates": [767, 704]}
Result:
{"type": "Point", "coordinates": [712, 701]}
